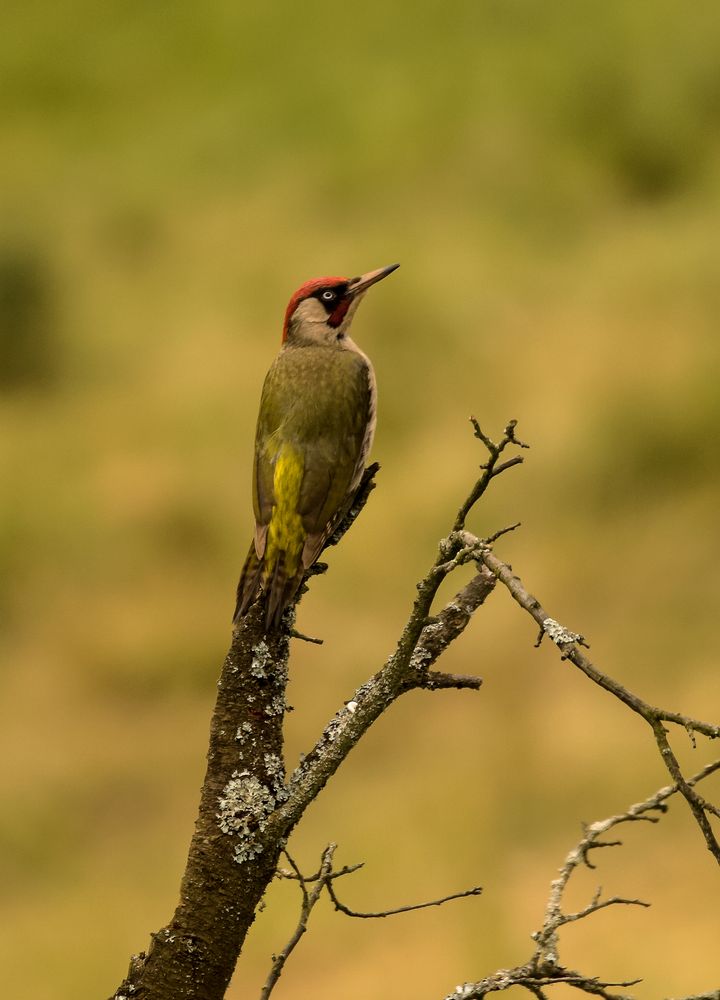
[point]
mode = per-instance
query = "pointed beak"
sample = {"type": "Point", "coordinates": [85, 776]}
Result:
{"type": "Point", "coordinates": [358, 285]}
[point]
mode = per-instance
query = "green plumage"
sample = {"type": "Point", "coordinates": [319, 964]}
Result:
{"type": "Point", "coordinates": [313, 434]}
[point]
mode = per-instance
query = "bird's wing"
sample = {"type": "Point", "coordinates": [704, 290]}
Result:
{"type": "Point", "coordinates": [331, 464]}
{"type": "Point", "coordinates": [268, 440]}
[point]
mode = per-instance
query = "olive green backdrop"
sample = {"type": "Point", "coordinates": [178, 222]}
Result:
{"type": "Point", "coordinates": [548, 175]}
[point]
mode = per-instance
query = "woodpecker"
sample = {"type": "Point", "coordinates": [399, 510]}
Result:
{"type": "Point", "coordinates": [314, 431]}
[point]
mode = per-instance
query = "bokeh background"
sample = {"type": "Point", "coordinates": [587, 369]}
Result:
{"type": "Point", "coordinates": [548, 174]}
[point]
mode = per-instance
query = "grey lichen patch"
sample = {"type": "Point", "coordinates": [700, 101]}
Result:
{"type": "Point", "coordinates": [333, 730]}
{"type": "Point", "coordinates": [276, 706]}
{"type": "Point", "coordinates": [242, 731]}
{"type": "Point", "coordinates": [463, 990]}
{"type": "Point", "coordinates": [366, 689]}
{"type": "Point", "coordinates": [420, 658]}
{"type": "Point", "coordinates": [558, 633]}
{"type": "Point", "coordinates": [431, 635]}
{"type": "Point", "coordinates": [274, 766]}
{"type": "Point", "coordinates": [342, 719]}
{"type": "Point", "coordinates": [445, 547]}
{"type": "Point", "coordinates": [275, 769]}
{"type": "Point", "coordinates": [244, 809]}
{"type": "Point", "coordinates": [338, 724]}
{"type": "Point", "coordinates": [262, 658]}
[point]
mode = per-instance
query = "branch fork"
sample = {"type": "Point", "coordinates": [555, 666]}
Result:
{"type": "Point", "coordinates": [324, 879]}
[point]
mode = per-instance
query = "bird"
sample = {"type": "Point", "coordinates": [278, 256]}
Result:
{"type": "Point", "coordinates": [315, 428]}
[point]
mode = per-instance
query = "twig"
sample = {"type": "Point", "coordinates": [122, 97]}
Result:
{"type": "Point", "coordinates": [476, 891]}
{"type": "Point", "coordinates": [346, 870]}
{"type": "Point", "coordinates": [502, 531]}
{"type": "Point", "coordinates": [714, 995]}
{"type": "Point", "coordinates": [294, 634]}
{"type": "Point", "coordinates": [491, 468]}
{"type": "Point", "coordinates": [532, 980]}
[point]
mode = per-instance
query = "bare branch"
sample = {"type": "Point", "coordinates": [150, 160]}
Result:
{"type": "Point", "coordinates": [569, 643]}
{"type": "Point", "coordinates": [439, 681]}
{"type": "Point", "coordinates": [423, 640]}
{"type": "Point", "coordinates": [324, 879]}
{"type": "Point", "coordinates": [346, 870]}
{"type": "Point", "coordinates": [294, 634]}
{"type": "Point", "coordinates": [309, 899]}
{"type": "Point", "coordinates": [694, 801]}
{"type": "Point", "coordinates": [599, 904]}
{"type": "Point", "coordinates": [532, 980]}
{"type": "Point", "coordinates": [502, 531]}
{"type": "Point", "coordinates": [714, 995]}
{"type": "Point", "coordinates": [476, 891]}
{"type": "Point", "coordinates": [490, 468]}
{"type": "Point", "coordinates": [533, 607]}
{"type": "Point", "coordinates": [441, 630]}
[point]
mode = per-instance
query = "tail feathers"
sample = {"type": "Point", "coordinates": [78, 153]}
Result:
{"type": "Point", "coordinates": [250, 583]}
{"type": "Point", "coordinates": [279, 587]}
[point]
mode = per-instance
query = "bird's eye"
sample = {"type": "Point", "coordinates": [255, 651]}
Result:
{"type": "Point", "coordinates": [327, 295]}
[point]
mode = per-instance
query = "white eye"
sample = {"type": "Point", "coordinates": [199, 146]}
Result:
{"type": "Point", "coordinates": [327, 295]}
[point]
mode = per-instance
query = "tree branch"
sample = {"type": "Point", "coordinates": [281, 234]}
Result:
{"type": "Point", "coordinates": [324, 878]}
{"type": "Point", "coordinates": [714, 995]}
{"type": "Point", "coordinates": [229, 862]}
{"type": "Point", "coordinates": [569, 644]}
{"type": "Point", "coordinates": [476, 891]}
{"type": "Point", "coordinates": [424, 639]}
{"type": "Point", "coordinates": [491, 468]}
{"type": "Point", "coordinates": [544, 968]}
{"type": "Point", "coordinates": [309, 899]}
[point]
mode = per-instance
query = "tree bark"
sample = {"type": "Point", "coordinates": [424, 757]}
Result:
{"type": "Point", "coordinates": [229, 867]}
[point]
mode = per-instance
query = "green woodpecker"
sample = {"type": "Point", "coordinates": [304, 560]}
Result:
{"type": "Point", "coordinates": [314, 431]}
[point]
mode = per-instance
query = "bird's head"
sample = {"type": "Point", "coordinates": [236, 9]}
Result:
{"type": "Point", "coordinates": [321, 310]}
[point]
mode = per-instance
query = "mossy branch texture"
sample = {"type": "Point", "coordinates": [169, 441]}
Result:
{"type": "Point", "coordinates": [249, 807]}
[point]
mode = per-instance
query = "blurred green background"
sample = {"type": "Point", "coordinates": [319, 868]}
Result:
{"type": "Point", "coordinates": [549, 176]}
